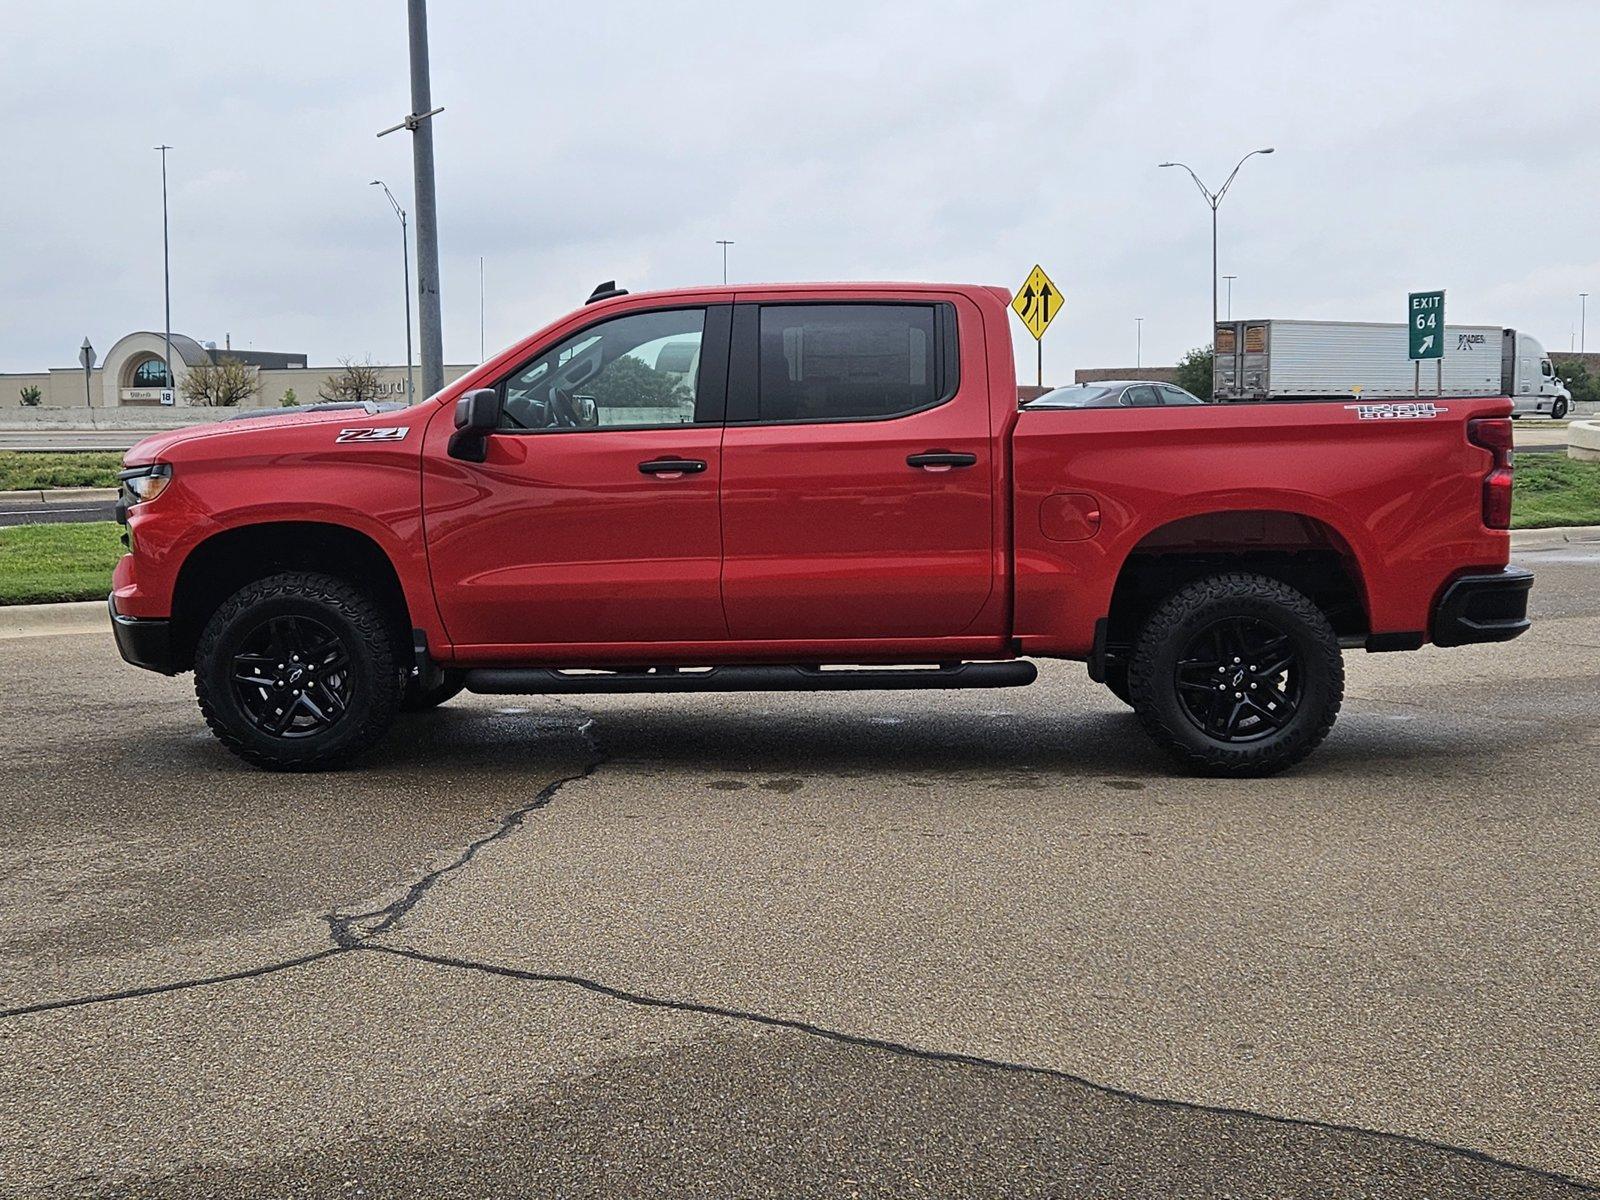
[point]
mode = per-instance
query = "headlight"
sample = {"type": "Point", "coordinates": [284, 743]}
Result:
{"type": "Point", "coordinates": [143, 484]}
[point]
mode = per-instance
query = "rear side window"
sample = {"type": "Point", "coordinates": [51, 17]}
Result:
{"type": "Point", "coordinates": [1142, 396]}
{"type": "Point", "coordinates": [831, 362]}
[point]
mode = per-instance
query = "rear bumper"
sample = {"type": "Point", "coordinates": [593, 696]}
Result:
{"type": "Point", "coordinates": [1484, 607]}
{"type": "Point", "coordinates": [144, 642]}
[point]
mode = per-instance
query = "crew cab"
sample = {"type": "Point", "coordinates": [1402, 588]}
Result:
{"type": "Point", "coordinates": [806, 487]}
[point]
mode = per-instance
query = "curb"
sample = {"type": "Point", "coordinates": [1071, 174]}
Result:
{"type": "Point", "coordinates": [37, 620]}
{"type": "Point", "coordinates": [76, 495]}
{"type": "Point", "coordinates": [1555, 535]}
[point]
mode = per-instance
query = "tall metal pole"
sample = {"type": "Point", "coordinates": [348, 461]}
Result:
{"type": "Point", "coordinates": [724, 243]}
{"type": "Point", "coordinates": [480, 308]}
{"type": "Point", "coordinates": [405, 259]}
{"type": "Point", "coordinates": [166, 268]}
{"type": "Point", "coordinates": [1214, 201]}
{"type": "Point", "coordinates": [1583, 320]}
{"type": "Point", "coordinates": [427, 209]}
{"type": "Point", "coordinates": [1138, 343]}
{"type": "Point", "coordinates": [1213, 338]}
{"type": "Point", "coordinates": [1230, 279]}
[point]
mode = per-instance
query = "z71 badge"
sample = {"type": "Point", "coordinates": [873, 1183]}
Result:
{"type": "Point", "coordinates": [387, 433]}
{"type": "Point", "coordinates": [1396, 412]}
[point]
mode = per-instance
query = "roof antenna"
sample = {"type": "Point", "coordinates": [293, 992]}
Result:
{"type": "Point", "coordinates": [605, 291]}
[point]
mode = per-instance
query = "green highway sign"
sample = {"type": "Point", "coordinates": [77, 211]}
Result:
{"type": "Point", "coordinates": [1425, 323]}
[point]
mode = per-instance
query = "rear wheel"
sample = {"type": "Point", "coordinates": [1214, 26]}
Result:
{"type": "Point", "coordinates": [1237, 674]}
{"type": "Point", "coordinates": [297, 671]}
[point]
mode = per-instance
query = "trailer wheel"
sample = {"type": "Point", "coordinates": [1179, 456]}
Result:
{"type": "Point", "coordinates": [1237, 674]}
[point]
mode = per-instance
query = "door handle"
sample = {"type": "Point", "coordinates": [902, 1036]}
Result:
{"type": "Point", "coordinates": [940, 460]}
{"type": "Point", "coordinates": [672, 466]}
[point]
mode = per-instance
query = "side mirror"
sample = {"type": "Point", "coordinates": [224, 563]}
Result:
{"type": "Point", "coordinates": [477, 416]}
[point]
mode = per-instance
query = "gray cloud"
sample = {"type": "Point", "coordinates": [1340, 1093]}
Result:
{"type": "Point", "coordinates": [1419, 145]}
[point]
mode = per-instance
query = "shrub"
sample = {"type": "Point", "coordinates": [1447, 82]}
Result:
{"type": "Point", "coordinates": [290, 400]}
{"type": "Point", "coordinates": [31, 396]}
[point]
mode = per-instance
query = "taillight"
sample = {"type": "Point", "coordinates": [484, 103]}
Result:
{"type": "Point", "coordinates": [1494, 435]}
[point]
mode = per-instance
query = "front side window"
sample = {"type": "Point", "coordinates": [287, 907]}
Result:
{"type": "Point", "coordinates": [1141, 396]}
{"type": "Point", "coordinates": [635, 372]}
{"type": "Point", "coordinates": [829, 362]}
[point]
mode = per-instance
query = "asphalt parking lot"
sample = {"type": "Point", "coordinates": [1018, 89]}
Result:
{"type": "Point", "coordinates": [856, 944]}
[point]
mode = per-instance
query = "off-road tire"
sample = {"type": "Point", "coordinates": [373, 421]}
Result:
{"type": "Point", "coordinates": [1183, 616]}
{"type": "Point", "coordinates": [363, 629]}
{"type": "Point", "coordinates": [419, 699]}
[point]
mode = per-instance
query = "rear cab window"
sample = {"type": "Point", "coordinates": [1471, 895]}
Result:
{"type": "Point", "coordinates": [808, 363]}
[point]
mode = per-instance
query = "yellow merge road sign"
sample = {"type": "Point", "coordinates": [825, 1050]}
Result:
{"type": "Point", "coordinates": [1037, 301]}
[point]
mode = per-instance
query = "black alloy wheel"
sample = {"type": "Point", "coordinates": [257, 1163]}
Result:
{"type": "Point", "coordinates": [291, 677]}
{"type": "Point", "coordinates": [299, 671]}
{"type": "Point", "coordinates": [1239, 679]}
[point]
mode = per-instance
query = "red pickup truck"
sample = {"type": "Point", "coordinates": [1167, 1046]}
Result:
{"type": "Point", "coordinates": [812, 487]}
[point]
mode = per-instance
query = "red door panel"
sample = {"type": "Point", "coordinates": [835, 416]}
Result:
{"type": "Point", "coordinates": [829, 532]}
{"type": "Point", "coordinates": [560, 538]}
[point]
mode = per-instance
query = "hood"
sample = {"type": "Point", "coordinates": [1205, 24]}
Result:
{"type": "Point", "coordinates": [247, 422]}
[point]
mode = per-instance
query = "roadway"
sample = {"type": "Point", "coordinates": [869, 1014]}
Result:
{"type": "Point", "coordinates": [872, 944]}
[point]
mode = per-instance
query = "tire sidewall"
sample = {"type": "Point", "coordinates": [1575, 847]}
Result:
{"type": "Point", "coordinates": [1153, 677]}
{"type": "Point", "coordinates": [225, 634]}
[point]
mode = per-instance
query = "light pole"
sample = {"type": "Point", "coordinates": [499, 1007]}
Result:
{"type": "Point", "coordinates": [1214, 199]}
{"type": "Point", "coordinates": [405, 258]}
{"type": "Point", "coordinates": [86, 357]}
{"type": "Point", "coordinates": [1230, 279]}
{"type": "Point", "coordinates": [1138, 343]}
{"type": "Point", "coordinates": [419, 122]}
{"type": "Point", "coordinates": [724, 243]}
{"type": "Point", "coordinates": [166, 266]}
{"type": "Point", "coordinates": [1583, 319]}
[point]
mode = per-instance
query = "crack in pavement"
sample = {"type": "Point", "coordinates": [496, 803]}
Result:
{"type": "Point", "coordinates": [955, 1058]}
{"type": "Point", "coordinates": [349, 930]}
{"type": "Point", "coordinates": [354, 933]}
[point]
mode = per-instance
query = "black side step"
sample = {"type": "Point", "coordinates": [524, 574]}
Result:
{"type": "Point", "coordinates": [528, 681]}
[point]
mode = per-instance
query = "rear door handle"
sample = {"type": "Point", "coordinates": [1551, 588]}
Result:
{"type": "Point", "coordinates": [672, 466]}
{"type": "Point", "coordinates": [940, 460]}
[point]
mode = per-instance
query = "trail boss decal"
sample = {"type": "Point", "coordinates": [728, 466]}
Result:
{"type": "Point", "coordinates": [386, 433]}
{"type": "Point", "coordinates": [1395, 412]}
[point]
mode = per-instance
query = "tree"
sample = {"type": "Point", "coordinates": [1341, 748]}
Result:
{"type": "Point", "coordinates": [220, 384]}
{"type": "Point", "coordinates": [31, 395]}
{"type": "Point", "coordinates": [1194, 372]}
{"type": "Point", "coordinates": [358, 382]}
{"type": "Point", "coordinates": [1583, 386]}
{"type": "Point", "coordinates": [628, 382]}
{"type": "Point", "coordinates": [290, 400]}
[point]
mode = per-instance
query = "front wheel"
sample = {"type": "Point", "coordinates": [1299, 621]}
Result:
{"type": "Point", "coordinates": [1237, 674]}
{"type": "Point", "coordinates": [1558, 409]}
{"type": "Point", "coordinates": [297, 671]}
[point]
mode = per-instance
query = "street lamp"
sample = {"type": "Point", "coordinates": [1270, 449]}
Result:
{"type": "Point", "coordinates": [1583, 318]}
{"type": "Point", "coordinates": [1138, 343]}
{"type": "Point", "coordinates": [405, 258]}
{"type": "Point", "coordinates": [166, 264]}
{"type": "Point", "coordinates": [724, 243]}
{"type": "Point", "coordinates": [1230, 279]}
{"type": "Point", "coordinates": [1213, 199]}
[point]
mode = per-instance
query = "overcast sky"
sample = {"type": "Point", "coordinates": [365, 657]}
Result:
{"type": "Point", "coordinates": [1419, 145]}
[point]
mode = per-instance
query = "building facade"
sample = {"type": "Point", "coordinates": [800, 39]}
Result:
{"type": "Point", "coordinates": [133, 374]}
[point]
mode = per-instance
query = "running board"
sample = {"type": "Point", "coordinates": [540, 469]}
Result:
{"type": "Point", "coordinates": [530, 681]}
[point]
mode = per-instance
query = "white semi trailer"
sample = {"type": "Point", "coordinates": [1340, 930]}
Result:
{"type": "Point", "coordinates": [1327, 360]}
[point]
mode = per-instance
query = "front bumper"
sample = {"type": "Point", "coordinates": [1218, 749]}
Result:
{"type": "Point", "coordinates": [1487, 607]}
{"type": "Point", "coordinates": [144, 642]}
